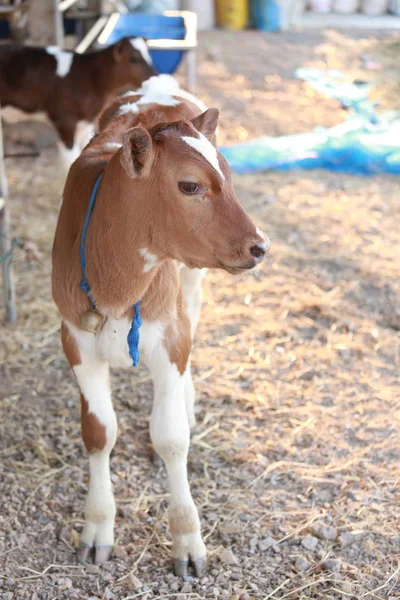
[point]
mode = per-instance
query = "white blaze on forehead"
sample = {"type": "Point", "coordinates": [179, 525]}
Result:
{"type": "Point", "coordinates": [64, 60]}
{"type": "Point", "coordinates": [140, 44]}
{"type": "Point", "coordinates": [150, 259]}
{"type": "Point", "coordinates": [129, 107]}
{"type": "Point", "coordinates": [206, 149]}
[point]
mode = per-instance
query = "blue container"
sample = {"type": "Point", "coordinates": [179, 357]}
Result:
{"type": "Point", "coordinates": [5, 33]}
{"type": "Point", "coordinates": [266, 15]}
{"type": "Point", "coordinates": [70, 26]}
{"type": "Point", "coordinates": [154, 27]}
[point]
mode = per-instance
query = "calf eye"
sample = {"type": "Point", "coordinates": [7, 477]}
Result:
{"type": "Point", "coordinates": [189, 187]}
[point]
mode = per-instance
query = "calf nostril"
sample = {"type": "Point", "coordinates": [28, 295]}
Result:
{"type": "Point", "coordinates": [258, 250]}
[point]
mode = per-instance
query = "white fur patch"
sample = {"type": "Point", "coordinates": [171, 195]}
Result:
{"type": "Point", "coordinates": [92, 374]}
{"type": "Point", "coordinates": [64, 60]}
{"type": "Point", "coordinates": [140, 44]}
{"type": "Point", "coordinates": [160, 89]}
{"type": "Point", "coordinates": [111, 344]}
{"type": "Point", "coordinates": [112, 146]}
{"type": "Point", "coordinates": [129, 107]}
{"type": "Point", "coordinates": [150, 260]}
{"type": "Point", "coordinates": [206, 149]}
{"type": "Point", "coordinates": [93, 379]}
{"type": "Point", "coordinates": [165, 90]}
{"type": "Point", "coordinates": [169, 87]}
{"type": "Point", "coordinates": [128, 93]}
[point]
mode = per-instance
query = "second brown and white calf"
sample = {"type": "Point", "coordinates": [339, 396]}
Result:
{"type": "Point", "coordinates": [165, 210]}
{"type": "Point", "coordinates": [70, 88]}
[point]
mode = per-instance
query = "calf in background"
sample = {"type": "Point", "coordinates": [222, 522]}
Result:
{"type": "Point", "coordinates": [71, 88]}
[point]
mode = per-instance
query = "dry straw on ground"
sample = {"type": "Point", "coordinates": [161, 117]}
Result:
{"type": "Point", "coordinates": [295, 460]}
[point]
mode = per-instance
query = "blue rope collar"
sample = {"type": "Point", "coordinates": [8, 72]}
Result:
{"type": "Point", "coordinates": [133, 334]}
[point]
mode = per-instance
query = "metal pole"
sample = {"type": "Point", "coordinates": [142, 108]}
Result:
{"type": "Point", "coordinates": [91, 35]}
{"type": "Point", "coordinates": [5, 244]}
{"type": "Point", "coordinates": [58, 25]}
{"type": "Point", "coordinates": [191, 70]}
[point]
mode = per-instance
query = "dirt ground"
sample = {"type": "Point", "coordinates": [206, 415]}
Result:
{"type": "Point", "coordinates": [294, 463]}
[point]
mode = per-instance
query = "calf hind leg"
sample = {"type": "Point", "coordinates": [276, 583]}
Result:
{"type": "Point", "coordinates": [190, 396]}
{"type": "Point", "coordinates": [99, 432]}
{"type": "Point", "coordinates": [191, 280]}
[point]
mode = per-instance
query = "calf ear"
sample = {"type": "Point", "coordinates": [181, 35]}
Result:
{"type": "Point", "coordinates": [207, 123]}
{"type": "Point", "coordinates": [119, 50]}
{"type": "Point", "coordinates": [136, 152]}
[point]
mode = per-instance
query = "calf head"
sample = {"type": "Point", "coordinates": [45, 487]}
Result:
{"type": "Point", "coordinates": [186, 186]}
{"type": "Point", "coordinates": [131, 63]}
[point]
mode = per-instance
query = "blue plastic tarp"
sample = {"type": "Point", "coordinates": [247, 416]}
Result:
{"type": "Point", "coordinates": [365, 144]}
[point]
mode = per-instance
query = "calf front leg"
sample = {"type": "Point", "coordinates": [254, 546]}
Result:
{"type": "Point", "coordinates": [99, 432]}
{"type": "Point", "coordinates": [169, 431]}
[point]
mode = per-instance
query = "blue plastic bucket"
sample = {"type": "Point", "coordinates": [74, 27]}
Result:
{"type": "Point", "coordinates": [266, 14]}
{"type": "Point", "coordinates": [5, 33]}
{"type": "Point", "coordinates": [70, 26]}
{"type": "Point", "coordinates": [154, 27]}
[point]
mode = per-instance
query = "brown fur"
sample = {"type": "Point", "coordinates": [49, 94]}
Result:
{"type": "Point", "coordinates": [28, 81]}
{"type": "Point", "coordinates": [93, 432]}
{"type": "Point", "coordinates": [70, 348]}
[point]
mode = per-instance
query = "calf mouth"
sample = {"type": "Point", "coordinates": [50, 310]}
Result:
{"type": "Point", "coordinates": [236, 270]}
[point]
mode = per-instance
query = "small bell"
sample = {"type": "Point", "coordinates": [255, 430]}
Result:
{"type": "Point", "coordinates": [92, 322]}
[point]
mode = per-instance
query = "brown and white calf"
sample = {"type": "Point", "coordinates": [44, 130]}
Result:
{"type": "Point", "coordinates": [72, 89]}
{"type": "Point", "coordinates": [165, 210]}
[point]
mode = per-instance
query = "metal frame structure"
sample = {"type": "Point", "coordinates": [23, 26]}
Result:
{"type": "Point", "coordinates": [6, 245]}
{"type": "Point", "coordinates": [14, 13]}
{"type": "Point", "coordinates": [104, 26]}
